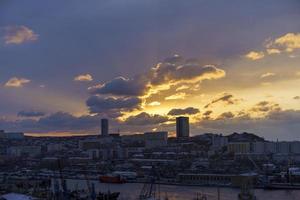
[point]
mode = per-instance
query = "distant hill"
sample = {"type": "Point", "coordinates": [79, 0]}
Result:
{"type": "Point", "coordinates": [244, 137]}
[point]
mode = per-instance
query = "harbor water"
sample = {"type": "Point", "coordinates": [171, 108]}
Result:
{"type": "Point", "coordinates": [130, 191]}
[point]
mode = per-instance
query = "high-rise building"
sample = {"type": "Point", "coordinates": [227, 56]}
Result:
{"type": "Point", "coordinates": [182, 127]}
{"type": "Point", "coordinates": [104, 127]}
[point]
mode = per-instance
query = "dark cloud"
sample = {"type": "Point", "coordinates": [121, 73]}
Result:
{"type": "Point", "coordinates": [66, 121]}
{"type": "Point", "coordinates": [226, 115]}
{"type": "Point", "coordinates": [99, 104]}
{"type": "Point", "coordinates": [185, 111]}
{"type": "Point", "coordinates": [176, 59]}
{"type": "Point", "coordinates": [281, 124]}
{"type": "Point", "coordinates": [145, 119]}
{"type": "Point", "coordinates": [285, 116]}
{"type": "Point", "coordinates": [265, 106]}
{"type": "Point", "coordinates": [226, 98]}
{"type": "Point", "coordinates": [167, 72]}
{"type": "Point", "coordinates": [206, 114]}
{"type": "Point", "coordinates": [296, 97]}
{"type": "Point", "coordinates": [122, 86]}
{"type": "Point", "coordinates": [170, 71]}
{"type": "Point", "coordinates": [59, 121]}
{"type": "Point", "coordinates": [121, 94]}
{"type": "Point", "coordinates": [31, 113]}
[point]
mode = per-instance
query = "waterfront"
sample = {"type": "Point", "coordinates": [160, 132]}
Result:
{"type": "Point", "coordinates": [130, 191]}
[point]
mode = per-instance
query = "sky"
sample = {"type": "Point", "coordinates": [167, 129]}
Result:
{"type": "Point", "coordinates": [230, 65]}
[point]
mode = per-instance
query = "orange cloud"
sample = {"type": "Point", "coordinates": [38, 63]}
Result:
{"type": "Point", "coordinates": [83, 77]}
{"type": "Point", "coordinates": [16, 82]}
{"type": "Point", "coordinates": [19, 34]}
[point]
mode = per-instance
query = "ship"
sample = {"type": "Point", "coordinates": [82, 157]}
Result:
{"type": "Point", "coordinates": [116, 179]}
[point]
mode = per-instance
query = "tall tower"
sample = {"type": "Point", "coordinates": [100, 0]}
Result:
{"type": "Point", "coordinates": [182, 127]}
{"type": "Point", "coordinates": [104, 127]}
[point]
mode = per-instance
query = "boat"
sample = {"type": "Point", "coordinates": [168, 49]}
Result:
{"type": "Point", "coordinates": [110, 178]}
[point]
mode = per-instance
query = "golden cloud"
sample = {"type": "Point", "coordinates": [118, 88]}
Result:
{"type": "Point", "coordinates": [267, 75]}
{"type": "Point", "coordinates": [83, 77]}
{"type": "Point", "coordinates": [255, 55]}
{"type": "Point", "coordinates": [177, 96]}
{"type": "Point", "coordinates": [289, 42]}
{"type": "Point", "coordinates": [16, 82]}
{"type": "Point", "coordinates": [154, 103]}
{"type": "Point", "coordinates": [19, 34]}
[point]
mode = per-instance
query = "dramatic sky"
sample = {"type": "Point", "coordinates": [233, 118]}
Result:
{"type": "Point", "coordinates": [230, 65]}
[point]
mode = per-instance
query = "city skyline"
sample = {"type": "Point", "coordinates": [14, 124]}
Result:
{"type": "Point", "coordinates": [228, 67]}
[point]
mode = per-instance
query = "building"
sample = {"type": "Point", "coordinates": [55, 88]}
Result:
{"type": "Point", "coordinates": [54, 147]}
{"type": "Point", "coordinates": [295, 147]}
{"type": "Point", "coordinates": [11, 135]}
{"type": "Point", "coordinates": [270, 147]}
{"type": "Point", "coordinates": [283, 148]}
{"type": "Point", "coordinates": [182, 127]}
{"type": "Point", "coordinates": [104, 127]}
{"type": "Point", "coordinates": [156, 139]}
{"type": "Point", "coordinates": [95, 143]}
{"type": "Point", "coordinates": [29, 151]}
{"type": "Point", "coordinates": [258, 147]}
{"type": "Point", "coordinates": [239, 147]}
{"type": "Point", "coordinates": [218, 142]}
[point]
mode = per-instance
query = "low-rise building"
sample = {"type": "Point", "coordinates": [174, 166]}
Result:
{"type": "Point", "coordinates": [54, 147]}
{"type": "Point", "coordinates": [156, 139]}
{"type": "Point", "coordinates": [239, 147]}
{"type": "Point", "coordinates": [30, 151]}
{"type": "Point", "coordinates": [11, 135]}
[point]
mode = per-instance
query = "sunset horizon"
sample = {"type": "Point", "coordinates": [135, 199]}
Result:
{"type": "Point", "coordinates": [229, 70]}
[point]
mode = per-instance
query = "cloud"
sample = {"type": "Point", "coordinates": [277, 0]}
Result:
{"type": "Point", "coordinates": [31, 113]}
{"type": "Point", "coordinates": [83, 77]}
{"type": "Point", "coordinates": [99, 104]}
{"type": "Point", "coordinates": [16, 82]}
{"type": "Point", "coordinates": [165, 76]}
{"type": "Point", "coordinates": [161, 77]}
{"type": "Point", "coordinates": [282, 124]}
{"type": "Point", "coordinates": [144, 119]}
{"type": "Point", "coordinates": [265, 107]}
{"type": "Point", "coordinates": [154, 103]}
{"type": "Point", "coordinates": [285, 43]}
{"type": "Point", "coordinates": [182, 87]}
{"type": "Point", "coordinates": [56, 122]}
{"type": "Point", "coordinates": [206, 114]}
{"type": "Point", "coordinates": [273, 51]}
{"type": "Point", "coordinates": [187, 73]}
{"type": "Point", "coordinates": [267, 75]}
{"type": "Point", "coordinates": [177, 96]}
{"type": "Point", "coordinates": [296, 97]}
{"type": "Point", "coordinates": [19, 34]}
{"type": "Point", "coordinates": [185, 111]}
{"type": "Point", "coordinates": [255, 55]}
{"type": "Point", "coordinates": [226, 115]}
{"type": "Point", "coordinates": [226, 98]}
{"type": "Point", "coordinates": [121, 86]}
{"type": "Point", "coordinates": [288, 42]}
{"type": "Point", "coordinates": [66, 121]}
